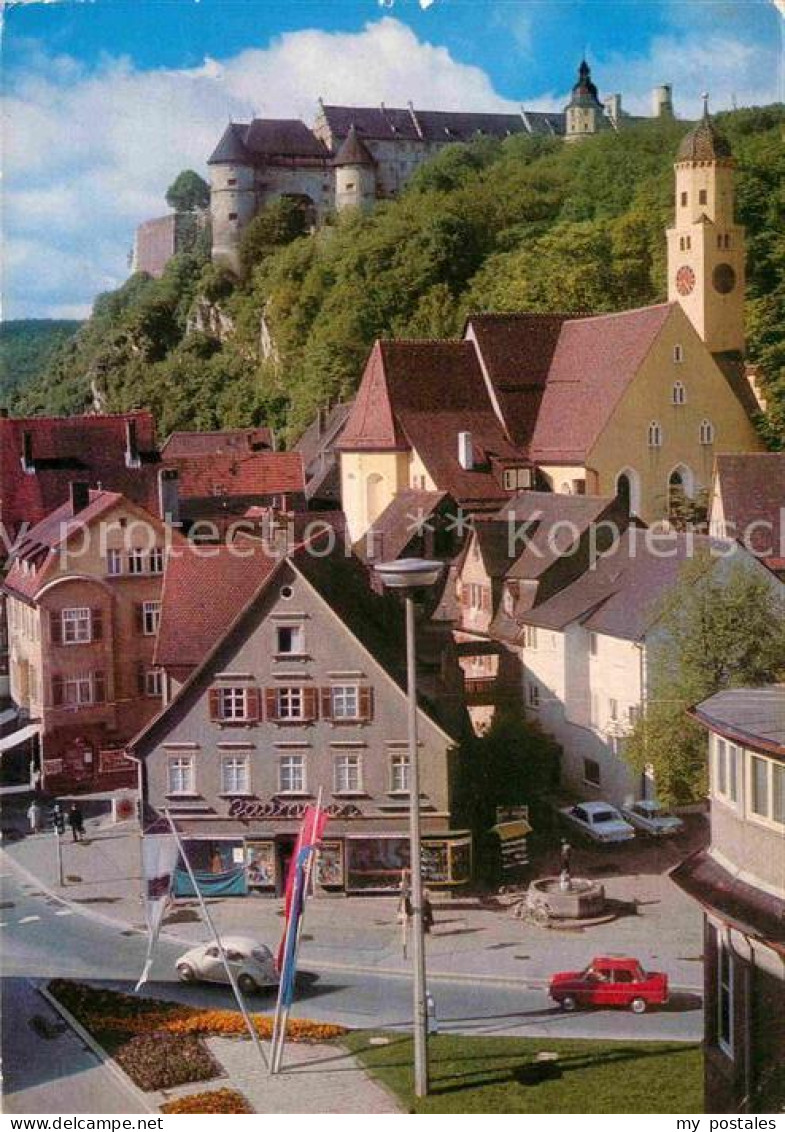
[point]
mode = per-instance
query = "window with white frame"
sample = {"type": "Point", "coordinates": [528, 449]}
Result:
{"type": "Point", "coordinates": [533, 695]}
{"type": "Point", "coordinates": [154, 682]}
{"type": "Point", "coordinates": [290, 640]}
{"type": "Point", "coordinates": [76, 625]}
{"type": "Point", "coordinates": [151, 617]}
{"type": "Point", "coordinates": [235, 777]}
{"type": "Point", "coordinates": [725, 971]}
{"type": "Point", "coordinates": [291, 774]}
{"type": "Point", "coordinates": [232, 703]}
{"type": "Point", "coordinates": [591, 772]}
{"type": "Point", "coordinates": [180, 775]}
{"type": "Point", "coordinates": [530, 636]}
{"type": "Point", "coordinates": [156, 560]}
{"type": "Point", "coordinates": [726, 770]}
{"type": "Point", "coordinates": [767, 790]}
{"type": "Point", "coordinates": [706, 432]}
{"type": "Point", "coordinates": [345, 701]}
{"type": "Point", "coordinates": [136, 561]}
{"type": "Point", "coordinates": [78, 689]}
{"type": "Point", "coordinates": [399, 773]}
{"type": "Point", "coordinates": [678, 393]}
{"type": "Point", "coordinates": [515, 478]}
{"type": "Point", "coordinates": [654, 434]}
{"type": "Point", "coordinates": [347, 774]}
{"type": "Point", "coordinates": [114, 562]}
{"type": "Point", "coordinates": [290, 703]}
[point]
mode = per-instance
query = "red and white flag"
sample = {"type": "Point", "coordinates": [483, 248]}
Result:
{"type": "Point", "coordinates": [314, 821]}
{"type": "Point", "coordinates": [160, 853]}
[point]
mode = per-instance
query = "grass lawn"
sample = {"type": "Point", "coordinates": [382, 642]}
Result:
{"type": "Point", "coordinates": [502, 1074]}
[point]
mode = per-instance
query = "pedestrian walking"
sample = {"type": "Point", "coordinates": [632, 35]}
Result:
{"type": "Point", "coordinates": [35, 814]}
{"type": "Point", "coordinates": [427, 912]}
{"type": "Point", "coordinates": [76, 822]}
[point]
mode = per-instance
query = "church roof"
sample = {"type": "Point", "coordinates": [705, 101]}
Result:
{"type": "Point", "coordinates": [704, 142]}
{"type": "Point", "coordinates": [584, 93]}
{"type": "Point", "coordinates": [353, 151]}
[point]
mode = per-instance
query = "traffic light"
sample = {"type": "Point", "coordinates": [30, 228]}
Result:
{"type": "Point", "coordinates": [58, 820]}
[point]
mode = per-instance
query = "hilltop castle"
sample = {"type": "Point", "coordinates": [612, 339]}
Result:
{"type": "Point", "coordinates": [353, 156]}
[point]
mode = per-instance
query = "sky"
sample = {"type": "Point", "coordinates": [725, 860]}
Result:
{"type": "Point", "coordinates": [106, 101]}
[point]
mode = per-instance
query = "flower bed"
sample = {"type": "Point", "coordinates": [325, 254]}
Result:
{"type": "Point", "coordinates": [161, 1061]}
{"type": "Point", "coordinates": [215, 1101]}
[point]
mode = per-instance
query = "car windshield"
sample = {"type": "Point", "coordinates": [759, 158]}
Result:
{"type": "Point", "coordinates": [261, 953]}
{"type": "Point", "coordinates": [604, 815]}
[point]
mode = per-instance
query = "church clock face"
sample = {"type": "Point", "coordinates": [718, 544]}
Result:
{"type": "Point", "coordinates": [723, 278]}
{"type": "Point", "coordinates": [685, 280]}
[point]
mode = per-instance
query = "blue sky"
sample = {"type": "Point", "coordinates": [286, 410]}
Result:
{"type": "Point", "coordinates": [107, 101]}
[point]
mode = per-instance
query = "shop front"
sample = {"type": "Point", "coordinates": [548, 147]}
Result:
{"type": "Point", "coordinates": [250, 853]}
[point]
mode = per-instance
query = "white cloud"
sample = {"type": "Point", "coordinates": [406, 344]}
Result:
{"type": "Point", "coordinates": [88, 155]}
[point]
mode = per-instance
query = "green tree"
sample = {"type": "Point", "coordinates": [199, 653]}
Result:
{"type": "Point", "coordinates": [721, 626]}
{"type": "Point", "coordinates": [276, 225]}
{"type": "Point", "coordinates": [188, 192]}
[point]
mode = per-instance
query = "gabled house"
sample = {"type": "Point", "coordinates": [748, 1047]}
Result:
{"type": "Point", "coordinates": [748, 504]}
{"type": "Point", "coordinates": [739, 883]}
{"type": "Point", "coordinates": [84, 599]}
{"type": "Point", "coordinates": [300, 694]}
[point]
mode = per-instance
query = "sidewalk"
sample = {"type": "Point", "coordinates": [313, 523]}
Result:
{"type": "Point", "coordinates": [471, 940]}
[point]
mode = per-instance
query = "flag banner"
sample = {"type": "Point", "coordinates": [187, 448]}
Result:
{"type": "Point", "coordinates": [160, 854]}
{"type": "Point", "coordinates": [289, 966]}
{"type": "Point", "coordinates": [311, 830]}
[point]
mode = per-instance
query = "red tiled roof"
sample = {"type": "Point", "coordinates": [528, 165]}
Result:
{"type": "Point", "coordinates": [229, 474]}
{"type": "Point", "coordinates": [204, 589]}
{"type": "Point", "coordinates": [593, 364]}
{"type": "Point", "coordinates": [421, 395]}
{"type": "Point", "coordinates": [68, 449]}
{"type": "Point", "coordinates": [752, 486]}
{"type": "Point", "coordinates": [236, 441]}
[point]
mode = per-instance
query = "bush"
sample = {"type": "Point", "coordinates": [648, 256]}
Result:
{"type": "Point", "coordinates": [161, 1061]}
{"type": "Point", "coordinates": [215, 1101]}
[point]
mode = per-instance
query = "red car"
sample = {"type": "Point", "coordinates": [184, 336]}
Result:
{"type": "Point", "coordinates": [610, 981]}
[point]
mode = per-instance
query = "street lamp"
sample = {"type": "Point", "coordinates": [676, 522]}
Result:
{"type": "Point", "coordinates": [410, 575]}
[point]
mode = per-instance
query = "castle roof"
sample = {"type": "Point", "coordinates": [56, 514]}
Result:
{"type": "Point", "coordinates": [384, 123]}
{"type": "Point", "coordinates": [353, 151]}
{"type": "Point", "coordinates": [265, 138]}
{"type": "Point", "coordinates": [704, 142]}
{"type": "Point", "coordinates": [584, 93]}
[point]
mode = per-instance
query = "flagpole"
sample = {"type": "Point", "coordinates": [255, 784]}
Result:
{"type": "Point", "coordinates": [219, 944]}
{"type": "Point", "coordinates": [282, 1014]}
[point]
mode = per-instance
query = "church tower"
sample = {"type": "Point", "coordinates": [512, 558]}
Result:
{"type": "Point", "coordinates": [705, 245]}
{"type": "Point", "coordinates": [584, 114]}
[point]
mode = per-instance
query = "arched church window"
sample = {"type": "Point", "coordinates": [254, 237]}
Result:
{"type": "Point", "coordinates": [678, 393]}
{"type": "Point", "coordinates": [706, 432]}
{"type": "Point", "coordinates": [628, 490]}
{"type": "Point", "coordinates": [655, 434]}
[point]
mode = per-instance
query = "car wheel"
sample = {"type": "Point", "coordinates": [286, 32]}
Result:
{"type": "Point", "coordinates": [638, 1006]}
{"type": "Point", "coordinates": [186, 973]}
{"type": "Point", "coordinates": [569, 1003]}
{"type": "Point", "coordinates": [247, 984]}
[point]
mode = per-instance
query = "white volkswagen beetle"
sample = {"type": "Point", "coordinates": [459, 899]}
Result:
{"type": "Point", "coordinates": [252, 964]}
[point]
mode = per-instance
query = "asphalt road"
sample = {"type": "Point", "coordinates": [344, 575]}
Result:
{"type": "Point", "coordinates": [41, 938]}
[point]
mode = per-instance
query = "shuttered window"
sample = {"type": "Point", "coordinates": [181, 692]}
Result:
{"type": "Point", "coordinates": [234, 704]}
{"type": "Point", "coordinates": [292, 704]}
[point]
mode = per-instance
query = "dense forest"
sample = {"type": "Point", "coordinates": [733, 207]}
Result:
{"type": "Point", "coordinates": [27, 346]}
{"type": "Point", "coordinates": [524, 224]}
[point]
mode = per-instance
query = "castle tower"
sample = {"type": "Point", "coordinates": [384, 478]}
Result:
{"type": "Point", "coordinates": [705, 245]}
{"type": "Point", "coordinates": [355, 173]}
{"type": "Point", "coordinates": [232, 195]}
{"type": "Point", "coordinates": [584, 112]}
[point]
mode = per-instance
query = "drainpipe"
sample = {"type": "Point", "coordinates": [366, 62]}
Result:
{"type": "Point", "coordinates": [746, 965]}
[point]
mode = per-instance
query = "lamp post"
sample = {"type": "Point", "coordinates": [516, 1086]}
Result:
{"type": "Point", "coordinates": [408, 576]}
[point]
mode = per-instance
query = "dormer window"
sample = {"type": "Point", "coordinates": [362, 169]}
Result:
{"type": "Point", "coordinates": [655, 434]}
{"type": "Point", "coordinates": [706, 432]}
{"type": "Point", "coordinates": [678, 393]}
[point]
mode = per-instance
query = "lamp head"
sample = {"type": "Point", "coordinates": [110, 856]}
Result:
{"type": "Point", "coordinates": [409, 573]}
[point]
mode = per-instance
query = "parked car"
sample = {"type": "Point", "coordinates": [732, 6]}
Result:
{"type": "Point", "coordinates": [252, 963]}
{"type": "Point", "coordinates": [599, 821]}
{"type": "Point", "coordinates": [650, 817]}
{"type": "Point", "coordinates": [610, 981]}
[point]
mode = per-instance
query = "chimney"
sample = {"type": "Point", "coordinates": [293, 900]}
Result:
{"type": "Point", "coordinates": [28, 464]}
{"type": "Point", "coordinates": [131, 449]}
{"type": "Point", "coordinates": [80, 496]}
{"type": "Point", "coordinates": [169, 495]}
{"type": "Point", "coordinates": [465, 451]}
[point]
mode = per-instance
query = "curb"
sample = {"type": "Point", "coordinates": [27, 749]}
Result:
{"type": "Point", "coordinates": [521, 982]}
{"type": "Point", "coordinates": [98, 1051]}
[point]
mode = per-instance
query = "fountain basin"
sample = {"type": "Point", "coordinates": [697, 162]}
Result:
{"type": "Point", "coordinates": [583, 900]}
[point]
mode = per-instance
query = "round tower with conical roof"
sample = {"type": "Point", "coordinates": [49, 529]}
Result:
{"type": "Point", "coordinates": [705, 245]}
{"type": "Point", "coordinates": [584, 113]}
{"type": "Point", "coordinates": [355, 173]}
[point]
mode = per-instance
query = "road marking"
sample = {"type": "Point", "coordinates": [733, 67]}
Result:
{"type": "Point", "coordinates": [65, 912]}
{"type": "Point", "coordinates": [29, 919]}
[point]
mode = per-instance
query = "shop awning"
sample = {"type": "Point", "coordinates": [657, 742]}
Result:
{"type": "Point", "coordinates": [508, 830]}
{"type": "Point", "coordinates": [8, 742]}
